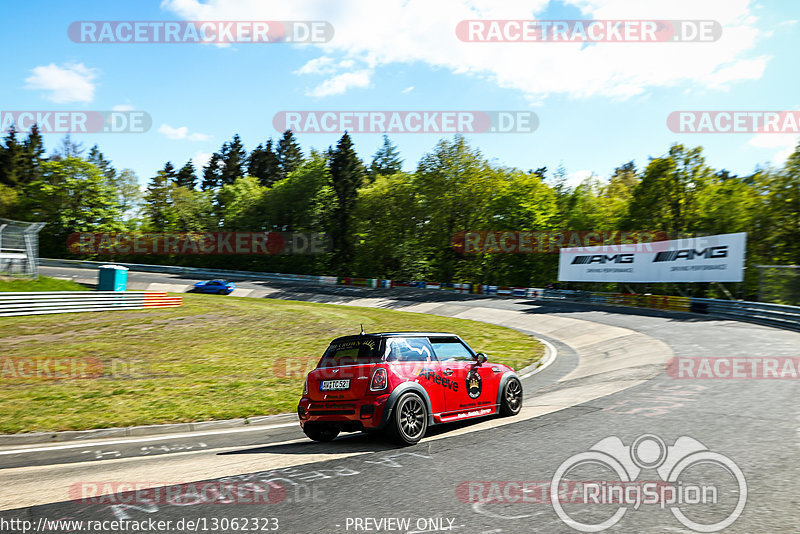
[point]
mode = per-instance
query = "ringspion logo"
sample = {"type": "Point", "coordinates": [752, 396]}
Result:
{"type": "Point", "coordinates": [706, 484]}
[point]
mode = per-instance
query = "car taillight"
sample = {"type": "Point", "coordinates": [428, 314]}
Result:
{"type": "Point", "coordinates": [305, 387]}
{"type": "Point", "coordinates": [379, 380]}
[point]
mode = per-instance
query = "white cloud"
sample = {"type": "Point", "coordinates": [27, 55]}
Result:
{"type": "Point", "coordinates": [319, 65]}
{"type": "Point", "coordinates": [71, 83]}
{"type": "Point", "coordinates": [340, 83]}
{"type": "Point", "coordinates": [407, 89]}
{"type": "Point", "coordinates": [200, 159]}
{"type": "Point", "coordinates": [182, 132]}
{"type": "Point", "coordinates": [783, 144]}
{"type": "Point", "coordinates": [409, 31]}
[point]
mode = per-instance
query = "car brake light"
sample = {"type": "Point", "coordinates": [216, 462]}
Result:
{"type": "Point", "coordinates": [379, 380]}
{"type": "Point", "coordinates": [305, 387]}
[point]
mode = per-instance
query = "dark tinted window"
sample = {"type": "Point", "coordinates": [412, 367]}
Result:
{"type": "Point", "coordinates": [354, 352]}
{"type": "Point", "coordinates": [408, 349]}
{"type": "Point", "coordinates": [450, 349]}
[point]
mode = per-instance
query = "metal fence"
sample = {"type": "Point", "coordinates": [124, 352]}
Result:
{"type": "Point", "coordinates": [756, 312]}
{"type": "Point", "coordinates": [19, 247]}
{"type": "Point", "coordinates": [45, 302]}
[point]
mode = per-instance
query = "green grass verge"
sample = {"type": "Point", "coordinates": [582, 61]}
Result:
{"type": "Point", "coordinates": [44, 283]}
{"type": "Point", "coordinates": [212, 358]}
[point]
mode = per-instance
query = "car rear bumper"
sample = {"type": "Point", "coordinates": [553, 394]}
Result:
{"type": "Point", "coordinates": [347, 415]}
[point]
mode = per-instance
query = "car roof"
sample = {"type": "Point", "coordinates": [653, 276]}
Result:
{"type": "Point", "coordinates": [395, 334]}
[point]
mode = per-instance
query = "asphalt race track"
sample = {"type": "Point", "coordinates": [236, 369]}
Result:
{"type": "Point", "coordinates": [494, 476]}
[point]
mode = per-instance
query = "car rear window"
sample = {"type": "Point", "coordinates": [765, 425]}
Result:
{"type": "Point", "coordinates": [353, 352]}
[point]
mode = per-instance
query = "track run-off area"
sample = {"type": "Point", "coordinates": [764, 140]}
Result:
{"type": "Point", "coordinates": [608, 383]}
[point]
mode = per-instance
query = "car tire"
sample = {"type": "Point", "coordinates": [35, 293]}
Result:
{"type": "Point", "coordinates": [321, 433]}
{"type": "Point", "coordinates": [221, 292]}
{"type": "Point", "coordinates": [511, 402]}
{"type": "Point", "coordinates": [409, 420]}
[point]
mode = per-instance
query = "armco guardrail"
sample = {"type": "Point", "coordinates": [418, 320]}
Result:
{"type": "Point", "coordinates": [44, 302]}
{"type": "Point", "coordinates": [200, 272]}
{"type": "Point", "coordinates": [757, 312]}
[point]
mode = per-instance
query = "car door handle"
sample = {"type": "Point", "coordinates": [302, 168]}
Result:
{"type": "Point", "coordinates": [495, 369]}
{"type": "Point", "coordinates": [448, 371]}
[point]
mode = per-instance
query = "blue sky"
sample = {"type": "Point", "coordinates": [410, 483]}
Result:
{"type": "Point", "coordinates": [599, 105]}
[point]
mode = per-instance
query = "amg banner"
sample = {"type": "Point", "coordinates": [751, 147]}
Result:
{"type": "Point", "coordinates": [715, 258]}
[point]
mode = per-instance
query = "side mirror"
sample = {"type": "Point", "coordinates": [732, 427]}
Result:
{"type": "Point", "coordinates": [481, 358]}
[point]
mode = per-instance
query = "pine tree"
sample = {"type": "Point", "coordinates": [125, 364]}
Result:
{"type": "Point", "coordinates": [10, 153]}
{"type": "Point", "coordinates": [96, 157]}
{"type": "Point", "coordinates": [290, 157]}
{"type": "Point", "coordinates": [233, 159]}
{"type": "Point", "coordinates": [263, 164]}
{"type": "Point", "coordinates": [157, 198]}
{"type": "Point", "coordinates": [68, 149]}
{"type": "Point", "coordinates": [32, 156]}
{"type": "Point", "coordinates": [169, 172]}
{"type": "Point", "coordinates": [186, 176]}
{"type": "Point", "coordinates": [346, 175]}
{"type": "Point", "coordinates": [211, 173]}
{"type": "Point", "coordinates": [386, 160]}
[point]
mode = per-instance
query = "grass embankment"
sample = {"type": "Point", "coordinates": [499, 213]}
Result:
{"type": "Point", "coordinates": [43, 283]}
{"type": "Point", "coordinates": [213, 358]}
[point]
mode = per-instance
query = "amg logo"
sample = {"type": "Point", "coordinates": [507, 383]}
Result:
{"type": "Point", "coordinates": [602, 258]}
{"type": "Point", "coordinates": [690, 254]}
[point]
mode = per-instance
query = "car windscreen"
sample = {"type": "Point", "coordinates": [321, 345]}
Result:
{"type": "Point", "coordinates": [451, 349]}
{"type": "Point", "coordinates": [351, 352]}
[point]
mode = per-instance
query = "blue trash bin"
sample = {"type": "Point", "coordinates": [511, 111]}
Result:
{"type": "Point", "coordinates": [112, 278]}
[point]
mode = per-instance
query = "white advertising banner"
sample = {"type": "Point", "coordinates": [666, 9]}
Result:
{"type": "Point", "coordinates": [715, 258]}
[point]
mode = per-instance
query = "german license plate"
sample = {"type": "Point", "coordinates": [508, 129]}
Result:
{"type": "Point", "coordinates": [334, 385]}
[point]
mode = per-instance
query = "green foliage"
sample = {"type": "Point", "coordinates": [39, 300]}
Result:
{"type": "Point", "coordinates": [384, 222]}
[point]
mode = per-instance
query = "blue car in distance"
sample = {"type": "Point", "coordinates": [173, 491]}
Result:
{"type": "Point", "coordinates": [219, 287]}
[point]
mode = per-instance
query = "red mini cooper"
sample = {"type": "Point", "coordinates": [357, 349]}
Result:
{"type": "Point", "coordinates": [403, 382]}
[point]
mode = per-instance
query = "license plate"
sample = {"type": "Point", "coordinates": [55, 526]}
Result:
{"type": "Point", "coordinates": [334, 385]}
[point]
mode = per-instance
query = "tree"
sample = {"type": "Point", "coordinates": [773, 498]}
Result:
{"type": "Point", "coordinates": [158, 199]}
{"type": "Point", "coordinates": [68, 149]}
{"type": "Point", "coordinates": [455, 184]}
{"type": "Point", "coordinates": [290, 157]}
{"type": "Point", "coordinates": [232, 159]}
{"type": "Point", "coordinates": [386, 160]}
{"type": "Point", "coordinates": [212, 173]}
{"type": "Point", "coordinates": [666, 197]}
{"type": "Point", "coordinates": [186, 176]}
{"type": "Point", "coordinates": [71, 196]}
{"type": "Point", "coordinates": [10, 154]}
{"type": "Point", "coordinates": [190, 211]}
{"type": "Point", "coordinates": [346, 177]}
{"type": "Point", "coordinates": [31, 157]}
{"type": "Point", "coordinates": [263, 164]}
{"type": "Point", "coordinates": [96, 157]}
